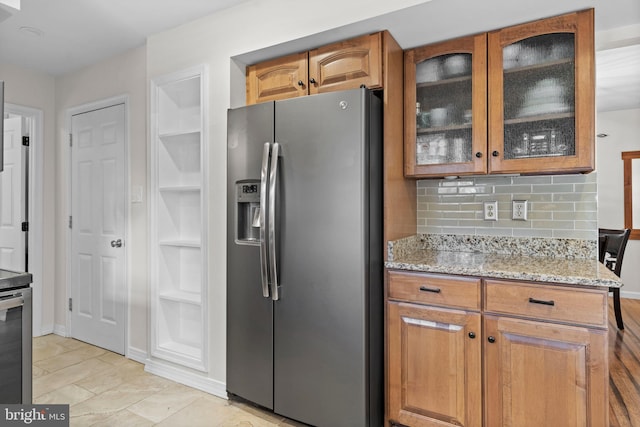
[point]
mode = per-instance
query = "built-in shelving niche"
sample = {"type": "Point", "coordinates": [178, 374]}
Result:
{"type": "Point", "coordinates": [178, 205]}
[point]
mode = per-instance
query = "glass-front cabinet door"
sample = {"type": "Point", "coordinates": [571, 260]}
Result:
{"type": "Point", "coordinates": [445, 108]}
{"type": "Point", "coordinates": [541, 96]}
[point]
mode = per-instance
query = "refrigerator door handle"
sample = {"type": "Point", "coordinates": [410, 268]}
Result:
{"type": "Point", "coordinates": [264, 264]}
{"type": "Point", "coordinates": [273, 181]}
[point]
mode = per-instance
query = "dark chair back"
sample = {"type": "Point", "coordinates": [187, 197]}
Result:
{"type": "Point", "coordinates": [613, 243]}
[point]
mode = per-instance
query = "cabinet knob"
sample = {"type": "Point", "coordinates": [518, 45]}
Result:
{"type": "Point", "coordinates": [495, 154]}
{"type": "Point", "coordinates": [472, 335]}
{"type": "Point", "coordinates": [300, 83]}
{"type": "Point", "coordinates": [491, 339]}
{"type": "Point", "coordinates": [479, 154]}
{"type": "Point", "coordinates": [312, 81]}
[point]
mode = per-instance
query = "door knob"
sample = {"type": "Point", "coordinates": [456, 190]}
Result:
{"type": "Point", "coordinates": [116, 243]}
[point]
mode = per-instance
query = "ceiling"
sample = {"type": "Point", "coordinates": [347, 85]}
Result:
{"type": "Point", "coordinates": [41, 37]}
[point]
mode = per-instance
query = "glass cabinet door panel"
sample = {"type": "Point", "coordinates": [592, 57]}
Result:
{"type": "Point", "coordinates": [541, 96]}
{"type": "Point", "coordinates": [539, 102]}
{"type": "Point", "coordinates": [445, 108]}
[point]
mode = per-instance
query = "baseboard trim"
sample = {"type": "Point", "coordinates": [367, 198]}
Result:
{"type": "Point", "coordinates": [45, 330]}
{"type": "Point", "coordinates": [60, 330]}
{"type": "Point", "coordinates": [137, 355]}
{"type": "Point", "coordinates": [191, 379]}
{"type": "Point", "coordinates": [629, 294]}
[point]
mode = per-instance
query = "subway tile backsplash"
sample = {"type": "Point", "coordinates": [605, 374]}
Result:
{"type": "Point", "coordinates": [560, 206]}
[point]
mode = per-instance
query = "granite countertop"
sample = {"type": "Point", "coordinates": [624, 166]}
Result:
{"type": "Point", "coordinates": [13, 279]}
{"type": "Point", "coordinates": [574, 270]}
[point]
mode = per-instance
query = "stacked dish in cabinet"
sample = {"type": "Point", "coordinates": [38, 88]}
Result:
{"type": "Point", "coordinates": [178, 218]}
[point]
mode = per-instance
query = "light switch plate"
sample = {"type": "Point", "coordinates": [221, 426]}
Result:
{"type": "Point", "coordinates": [491, 211]}
{"type": "Point", "coordinates": [519, 210]}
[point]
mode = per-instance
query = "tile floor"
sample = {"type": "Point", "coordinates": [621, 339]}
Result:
{"type": "Point", "coordinates": [106, 389]}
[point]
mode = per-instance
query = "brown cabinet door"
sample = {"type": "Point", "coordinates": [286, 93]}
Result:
{"type": "Point", "coordinates": [541, 96]}
{"type": "Point", "coordinates": [446, 108]}
{"type": "Point", "coordinates": [543, 374]}
{"type": "Point", "coordinates": [346, 65]}
{"type": "Point", "coordinates": [434, 367]}
{"type": "Point", "coordinates": [277, 79]}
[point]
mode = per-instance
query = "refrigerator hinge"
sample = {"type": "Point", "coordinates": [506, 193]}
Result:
{"type": "Point", "coordinates": [70, 221]}
{"type": "Point", "coordinates": [25, 141]}
{"type": "Point", "coordinates": [25, 226]}
{"type": "Point", "coordinates": [70, 304]}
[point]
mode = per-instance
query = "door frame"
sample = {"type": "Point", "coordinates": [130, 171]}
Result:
{"type": "Point", "coordinates": [80, 109]}
{"type": "Point", "coordinates": [35, 218]}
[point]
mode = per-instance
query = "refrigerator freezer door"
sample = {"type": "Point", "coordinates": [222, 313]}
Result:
{"type": "Point", "coordinates": [320, 321]}
{"type": "Point", "coordinates": [249, 314]}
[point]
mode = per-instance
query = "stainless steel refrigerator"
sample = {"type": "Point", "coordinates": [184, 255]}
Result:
{"type": "Point", "coordinates": [304, 258]}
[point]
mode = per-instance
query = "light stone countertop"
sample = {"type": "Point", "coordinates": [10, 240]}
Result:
{"type": "Point", "coordinates": [561, 270]}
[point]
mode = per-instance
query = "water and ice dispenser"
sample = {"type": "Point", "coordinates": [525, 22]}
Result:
{"type": "Point", "coordinates": [248, 212]}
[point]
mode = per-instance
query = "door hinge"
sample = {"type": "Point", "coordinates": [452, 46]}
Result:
{"type": "Point", "coordinates": [70, 140]}
{"type": "Point", "coordinates": [25, 141]}
{"type": "Point", "coordinates": [70, 304]}
{"type": "Point", "coordinates": [25, 226]}
{"type": "Point", "coordinates": [70, 221]}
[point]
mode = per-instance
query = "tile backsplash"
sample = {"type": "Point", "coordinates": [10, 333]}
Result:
{"type": "Point", "coordinates": [559, 206]}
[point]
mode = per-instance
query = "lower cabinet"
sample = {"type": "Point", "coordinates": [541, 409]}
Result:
{"type": "Point", "coordinates": [542, 374]}
{"type": "Point", "coordinates": [528, 354]}
{"type": "Point", "coordinates": [435, 371]}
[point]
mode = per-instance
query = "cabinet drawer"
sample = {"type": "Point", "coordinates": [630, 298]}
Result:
{"type": "Point", "coordinates": [452, 291]}
{"type": "Point", "coordinates": [547, 302]}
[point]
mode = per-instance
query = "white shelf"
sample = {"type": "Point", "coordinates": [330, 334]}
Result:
{"type": "Point", "coordinates": [181, 189]}
{"type": "Point", "coordinates": [180, 135]}
{"type": "Point", "coordinates": [180, 243]}
{"type": "Point", "coordinates": [178, 218]}
{"type": "Point", "coordinates": [182, 296]}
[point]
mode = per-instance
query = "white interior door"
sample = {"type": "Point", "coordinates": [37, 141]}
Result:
{"type": "Point", "coordinates": [12, 198]}
{"type": "Point", "coordinates": [97, 227]}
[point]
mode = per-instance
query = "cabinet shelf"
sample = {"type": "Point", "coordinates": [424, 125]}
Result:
{"type": "Point", "coordinates": [180, 135]}
{"type": "Point", "coordinates": [174, 348]}
{"type": "Point", "coordinates": [453, 80]}
{"type": "Point", "coordinates": [543, 66]}
{"type": "Point", "coordinates": [180, 189]}
{"type": "Point", "coordinates": [443, 129]}
{"type": "Point", "coordinates": [182, 296]}
{"type": "Point", "coordinates": [180, 243]}
{"type": "Point", "coordinates": [539, 118]}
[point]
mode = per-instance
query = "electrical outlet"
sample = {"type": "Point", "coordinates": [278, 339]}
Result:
{"type": "Point", "coordinates": [491, 211]}
{"type": "Point", "coordinates": [519, 210]}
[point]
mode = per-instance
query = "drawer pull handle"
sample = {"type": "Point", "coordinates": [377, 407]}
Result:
{"type": "Point", "coordinates": [426, 289]}
{"type": "Point", "coordinates": [537, 301]}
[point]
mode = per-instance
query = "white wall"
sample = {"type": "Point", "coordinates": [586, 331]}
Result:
{"type": "Point", "coordinates": [623, 128]}
{"type": "Point", "coordinates": [36, 90]}
{"type": "Point", "coordinates": [124, 74]}
{"type": "Point", "coordinates": [213, 40]}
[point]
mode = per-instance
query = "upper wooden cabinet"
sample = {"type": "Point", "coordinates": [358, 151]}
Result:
{"type": "Point", "coordinates": [446, 108]}
{"type": "Point", "coordinates": [346, 65]}
{"type": "Point", "coordinates": [538, 82]}
{"type": "Point", "coordinates": [277, 79]}
{"type": "Point", "coordinates": [339, 66]}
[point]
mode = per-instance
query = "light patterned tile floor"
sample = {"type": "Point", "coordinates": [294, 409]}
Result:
{"type": "Point", "coordinates": [105, 389]}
